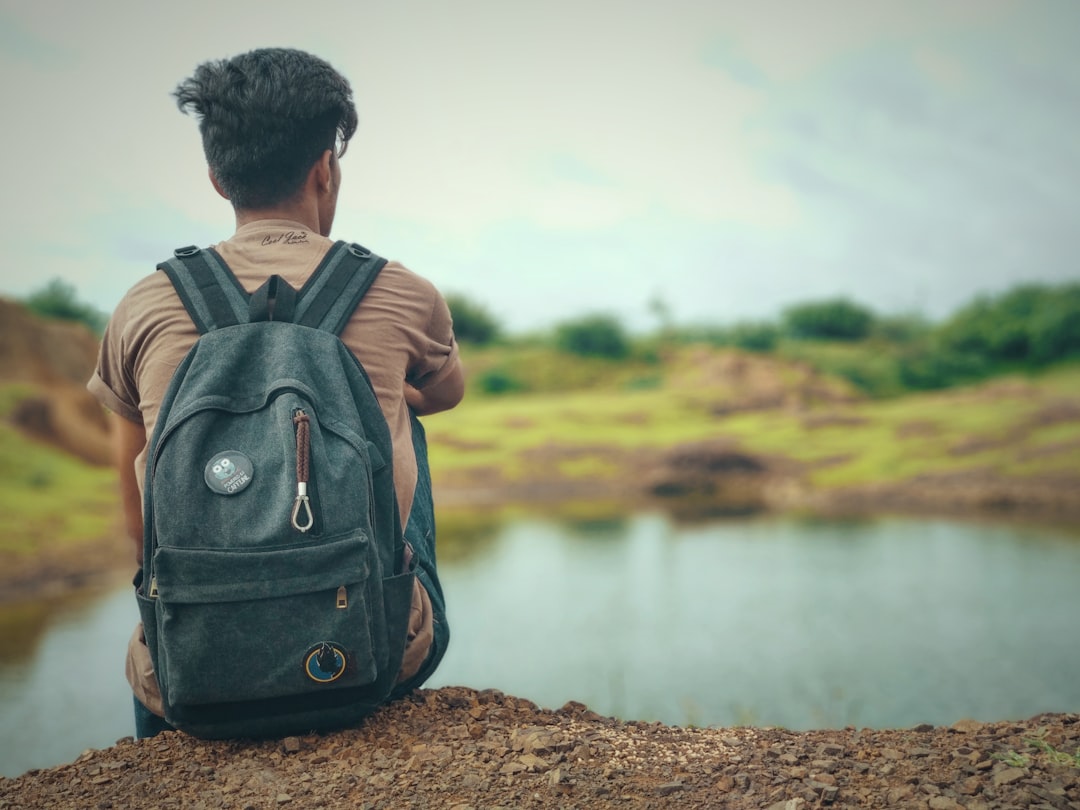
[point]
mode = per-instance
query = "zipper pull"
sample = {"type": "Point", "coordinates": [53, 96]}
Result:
{"type": "Point", "coordinates": [153, 588]}
{"type": "Point", "coordinates": [302, 506]}
{"type": "Point", "coordinates": [342, 598]}
{"type": "Point", "coordinates": [302, 518]}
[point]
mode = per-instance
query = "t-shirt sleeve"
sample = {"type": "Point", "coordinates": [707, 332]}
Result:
{"type": "Point", "coordinates": [113, 381]}
{"type": "Point", "coordinates": [438, 355]}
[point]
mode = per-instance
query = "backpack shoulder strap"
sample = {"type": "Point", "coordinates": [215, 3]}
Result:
{"type": "Point", "coordinates": [207, 287]}
{"type": "Point", "coordinates": [334, 290]}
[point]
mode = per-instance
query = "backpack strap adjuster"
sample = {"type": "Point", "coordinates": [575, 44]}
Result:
{"type": "Point", "coordinates": [359, 251]}
{"type": "Point", "coordinates": [184, 252]}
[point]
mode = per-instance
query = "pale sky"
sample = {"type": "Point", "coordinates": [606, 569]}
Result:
{"type": "Point", "coordinates": [569, 157]}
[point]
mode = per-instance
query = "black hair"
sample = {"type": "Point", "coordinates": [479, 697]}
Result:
{"type": "Point", "coordinates": [265, 117]}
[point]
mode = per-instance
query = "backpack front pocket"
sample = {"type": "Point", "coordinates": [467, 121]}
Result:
{"type": "Point", "coordinates": [249, 625]}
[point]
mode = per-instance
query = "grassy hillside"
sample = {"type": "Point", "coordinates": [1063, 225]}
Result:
{"type": "Point", "coordinates": [50, 500]}
{"type": "Point", "coordinates": [614, 420]}
{"type": "Point", "coordinates": [1010, 428]}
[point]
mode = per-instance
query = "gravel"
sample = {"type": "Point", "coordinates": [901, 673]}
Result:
{"type": "Point", "coordinates": [461, 749]}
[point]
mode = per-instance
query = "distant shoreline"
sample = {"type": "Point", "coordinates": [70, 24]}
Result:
{"type": "Point", "coordinates": [975, 498]}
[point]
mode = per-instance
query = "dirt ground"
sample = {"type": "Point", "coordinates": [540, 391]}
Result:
{"type": "Point", "coordinates": [459, 748]}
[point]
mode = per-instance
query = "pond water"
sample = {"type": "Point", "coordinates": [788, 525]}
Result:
{"type": "Point", "coordinates": [778, 621]}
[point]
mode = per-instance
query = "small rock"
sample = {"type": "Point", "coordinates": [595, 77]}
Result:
{"type": "Point", "coordinates": [899, 794]}
{"type": "Point", "coordinates": [290, 745]}
{"type": "Point", "coordinates": [283, 798]}
{"type": "Point", "coordinates": [826, 792]}
{"type": "Point", "coordinates": [966, 726]}
{"type": "Point", "coordinates": [968, 755]}
{"type": "Point", "coordinates": [668, 788]}
{"type": "Point", "coordinates": [789, 804]}
{"type": "Point", "coordinates": [944, 803]}
{"type": "Point", "coordinates": [970, 786]}
{"type": "Point", "coordinates": [1007, 776]}
{"type": "Point", "coordinates": [472, 781]}
{"type": "Point", "coordinates": [892, 753]}
{"type": "Point", "coordinates": [534, 763]}
{"type": "Point", "coordinates": [922, 728]}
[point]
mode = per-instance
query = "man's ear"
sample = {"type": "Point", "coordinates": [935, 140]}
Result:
{"type": "Point", "coordinates": [214, 182]}
{"type": "Point", "coordinates": [324, 175]}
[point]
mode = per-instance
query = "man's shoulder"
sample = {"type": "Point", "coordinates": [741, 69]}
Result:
{"type": "Point", "coordinates": [398, 277]}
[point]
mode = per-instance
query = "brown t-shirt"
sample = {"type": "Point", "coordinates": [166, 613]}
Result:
{"type": "Point", "coordinates": [401, 332]}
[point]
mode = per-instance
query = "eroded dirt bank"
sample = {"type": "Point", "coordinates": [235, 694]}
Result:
{"type": "Point", "coordinates": [459, 748]}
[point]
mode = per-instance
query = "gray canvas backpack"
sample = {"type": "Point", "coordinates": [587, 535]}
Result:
{"type": "Point", "coordinates": [276, 584]}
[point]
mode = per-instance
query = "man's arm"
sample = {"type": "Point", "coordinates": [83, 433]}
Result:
{"type": "Point", "coordinates": [442, 396]}
{"type": "Point", "coordinates": [130, 438]}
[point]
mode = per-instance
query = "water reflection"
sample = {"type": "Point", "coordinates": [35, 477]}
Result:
{"type": "Point", "coordinates": [792, 622]}
{"type": "Point", "coordinates": [779, 622]}
{"type": "Point", "coordinates": [65, 691]}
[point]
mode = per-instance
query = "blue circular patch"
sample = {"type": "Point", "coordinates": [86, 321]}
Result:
{"type": "Point", "coordinates": [324, 663]}
{"type": "Point", "coordinates": [228, 472]}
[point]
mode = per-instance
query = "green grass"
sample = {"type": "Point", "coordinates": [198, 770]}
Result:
{"type": "Point", "coordinates": [992, 426]}
{"type": "Point", "coordinates": [497, 431]}
{"type": "Point", "coordinates": [535, 367]}
{"type": "Point", "coordinates": [11, 394]}
{"type": "Point", "coordinates": [1052, 754]}
{"type": "Point", "coordinates": [49, 498]}
{"type": "Point", "coordinates": [1041, 750]}
{"type": "Point", "coordinates": [872, 365]}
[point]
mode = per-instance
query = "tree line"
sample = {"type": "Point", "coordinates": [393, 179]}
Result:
{"type": "Point", "coordinates": [1027, 327]}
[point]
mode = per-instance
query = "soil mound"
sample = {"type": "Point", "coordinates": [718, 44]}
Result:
{"type": "Point", "coordinates": [460, 748]}
{"type": "Point", "coordinates": [52, 360]}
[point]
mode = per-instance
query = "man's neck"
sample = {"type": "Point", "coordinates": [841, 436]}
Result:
{"type": "Point", "coordinates": [306, 215]}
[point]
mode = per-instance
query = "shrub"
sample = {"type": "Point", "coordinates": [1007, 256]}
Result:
{"type": "Point", "coordinates": [472, 322]}
{"type": "Point", "coordinates": [57, 299]}
{"type": "Point", "coordinates": [932, 366]}
{"type": "Point", "coordinates": [593, 336]}
{"type": "Point", "coordinates": [1029, 324]}
{"type": "Point", "coordinates": [901, 328]}
{"type": "Point", "coordinates": [497, 381]}
{"type": "Point", "coordinates": [754, 337]}
{"type": "Point", "coordinates": [836, 319]}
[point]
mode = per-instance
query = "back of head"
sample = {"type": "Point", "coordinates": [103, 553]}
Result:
{"type": "Point", "coordinates": [265, 118]}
